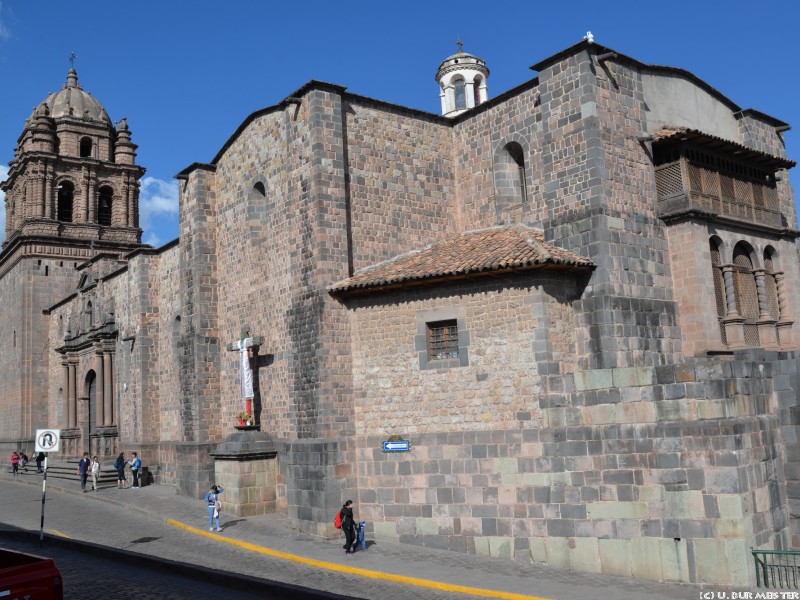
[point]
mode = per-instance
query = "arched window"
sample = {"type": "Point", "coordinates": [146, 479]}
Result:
{"type": "Point", "coordinates": [259, 189]}
{"type": "Point", "coordinates": [719, 287]}
{"type": "Point", "coordinates": [476, 91]}
{"type": "Point", "coordinates": [460, 94]}
{"type": "Point", "coordinates": [744, 284]}
{"type": "Point", "coordinates": [104, 205]}
{"type": "Point", "coordinates": [66, 191]}
{"type": "Point", "coordinates": [770, 282]}
{"type": "Point", "coordinates": [89, 315]}
{"type": "Point", "coordinates": [517, 156]}
{"type": "Point", "coordinates": [86, 147]}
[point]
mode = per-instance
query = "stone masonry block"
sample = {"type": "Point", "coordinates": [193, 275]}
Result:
{"type": "Point", "coordinates": [594, 379]}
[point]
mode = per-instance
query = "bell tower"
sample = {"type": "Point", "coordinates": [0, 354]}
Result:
{"type": "Point", "coordinates": [462, 82]}
{"type": "Point", "coordinates": [72, 216]}
{"type": "Point", "coordinates": [73, 179]}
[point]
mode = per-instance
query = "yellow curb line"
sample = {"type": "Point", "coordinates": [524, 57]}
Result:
{"type": "Point", "coordinates": [427, 583]}
{"type": "Point", "coordinates": [57, 532]}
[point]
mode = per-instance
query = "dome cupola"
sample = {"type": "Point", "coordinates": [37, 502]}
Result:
{"type": "Point", "coordinates": [462, 82]}
{"type": "Point", "coordinates": [72, 101]}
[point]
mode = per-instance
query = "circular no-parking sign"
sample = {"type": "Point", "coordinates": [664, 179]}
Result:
{"type": "Point", "coordinates": [48, 440]}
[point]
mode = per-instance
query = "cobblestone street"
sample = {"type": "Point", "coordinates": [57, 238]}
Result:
{"type": "Point", "coordinates": [134, 526]}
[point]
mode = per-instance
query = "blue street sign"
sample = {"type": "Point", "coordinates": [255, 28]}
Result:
{"type": "Point", "coordinates": [401, 446]}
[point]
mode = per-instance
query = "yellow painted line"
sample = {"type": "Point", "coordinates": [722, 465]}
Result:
{"type": "Point", "coordinates": [57, 532]}
{"type": "Point", "coordinates": [427, 583]}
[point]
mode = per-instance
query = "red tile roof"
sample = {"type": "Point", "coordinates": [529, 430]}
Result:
{"type": "Point", "coordinates": [474, 253]}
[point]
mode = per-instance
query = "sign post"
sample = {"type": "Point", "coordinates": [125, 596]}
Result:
{"type": "Point", "coordinates": [47, 440]}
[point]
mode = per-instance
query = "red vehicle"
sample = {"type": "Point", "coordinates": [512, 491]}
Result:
{"type": "Point", "coordinates": [29, 576]}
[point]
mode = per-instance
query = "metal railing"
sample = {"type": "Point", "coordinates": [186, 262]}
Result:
{"type": "Point", "coordinates": [777, 568]}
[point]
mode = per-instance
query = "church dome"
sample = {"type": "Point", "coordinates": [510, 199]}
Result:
{"type": "Point", "coordinates": [73, 101]}
{"type": "Point", "coordinates": [461, 60]}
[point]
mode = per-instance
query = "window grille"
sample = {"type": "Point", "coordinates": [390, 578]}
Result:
{"type": "Point", "coordinates": [443, 340]}
{"type": "Point", "coordinates": [746, 293]}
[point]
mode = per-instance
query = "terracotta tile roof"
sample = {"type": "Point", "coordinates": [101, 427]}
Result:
{"type": "Point", "coordinates": [474, 253]}
{"type": "Point", "coordinates": [699, 138]}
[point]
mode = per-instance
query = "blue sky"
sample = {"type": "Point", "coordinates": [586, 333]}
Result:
{"type": "Point", "coordinates": [186, 74]}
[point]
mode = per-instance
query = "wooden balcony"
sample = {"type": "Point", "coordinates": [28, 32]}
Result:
{"type": "Point", "coordinates": [684, 186]}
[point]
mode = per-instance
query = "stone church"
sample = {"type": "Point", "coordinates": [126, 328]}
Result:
{"type": "Point", "coordinates": [571, 307]}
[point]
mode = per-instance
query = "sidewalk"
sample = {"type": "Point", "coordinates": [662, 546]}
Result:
{"type": "Point", "coordinates": [160, 524]}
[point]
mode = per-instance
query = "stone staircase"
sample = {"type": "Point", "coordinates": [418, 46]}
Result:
{"type": "Point", "coordinates": [68, 470]}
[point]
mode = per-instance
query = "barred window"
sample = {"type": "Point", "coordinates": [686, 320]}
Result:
{"type": "Point", "coordinates": [443, 340]}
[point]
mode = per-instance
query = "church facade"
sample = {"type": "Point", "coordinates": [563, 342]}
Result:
{"type": "Point", "coordinates": [574, 300]}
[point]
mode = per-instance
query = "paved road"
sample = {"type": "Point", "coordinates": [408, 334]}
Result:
{"type": "Point", "coordinates": [155, 522]}
{"type": "Point", "coordinates": [88, 576]}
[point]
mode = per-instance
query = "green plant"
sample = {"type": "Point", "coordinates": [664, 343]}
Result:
{"type": "Point", "coordinates": [245, 416]}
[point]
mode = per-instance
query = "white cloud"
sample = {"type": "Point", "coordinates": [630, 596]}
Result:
{"type": "Point", "coordinates": [152, 238]}
{"type": "Point", "coordinates": [4, 31]}
{"type": "Point", "coordinates": [3, 176]}
{"type": "Point", "coordinates": [157, 197]}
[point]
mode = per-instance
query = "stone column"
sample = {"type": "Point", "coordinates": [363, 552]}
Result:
{"type": "Point", "coordinates": [100, 419]}
{"type": "Point", "coordinates": [47, 201]}
{"type": "Point", "coordinates": [65, 395]}
{"type": "Point", "coordinates": [733, 321]}
{"type": "Point", "coordinates": [767, 333]}
{"type": "Point", "coordinates": [72, 407]}
{"type": "Point", "coordinates": [92, 198]}
{"type": "Point", "coordinates": [84, 214]}
{"type": "Point", "coordinates": [786, 334]}
{"type": "Point", "coordinates": [108, 395]}
{"type": "Point", "coordinates": [40, 191]}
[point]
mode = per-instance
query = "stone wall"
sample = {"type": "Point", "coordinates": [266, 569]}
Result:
{"type": "Point", "coordinates": [666, 473]}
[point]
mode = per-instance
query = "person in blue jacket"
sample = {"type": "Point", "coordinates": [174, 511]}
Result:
{"type": "Point", "coordinates": [212, 500]}
{"type": "Point", "coordinates": [136, 464]}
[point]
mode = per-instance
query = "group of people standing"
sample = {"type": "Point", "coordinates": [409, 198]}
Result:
{"type": "Point", "coordinates": [19, 460]}
{"type": "Point", "coordinates": [91, 467]}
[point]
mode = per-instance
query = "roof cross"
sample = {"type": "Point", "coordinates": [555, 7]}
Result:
{"type": "Point", "coordinates": [460, 45]}
{"type": "Point", "coordinates": [72, 58]}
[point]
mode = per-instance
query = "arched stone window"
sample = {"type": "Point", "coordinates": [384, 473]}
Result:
{"type": "Point", "coordinates": [86, 147]}
{"type": "Point", "coordinates": [256, 202]}
{"type": "Point", "coordinates": [104, 205]}
{"type": "Point", "coordinates": [510, 179]}
{"type": "Point", "coordinates": [476, 90]}
{"type": "Point", "coordinates": [744, 285]}
{"type": "Point", "coordinates": [770, 282]}
{"type": "Point", "coordinates": [719, 286]}
{"type": "Point", "coordinates": [460, 90]}
{"type": "Point", "coordinates": [66, 192]}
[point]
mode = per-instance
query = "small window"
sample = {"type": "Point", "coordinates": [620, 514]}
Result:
{"type": "Point", "coordinates": [443, 340]}
{"type": "Point", "coordinates": [65, 195]}
{"type": "Point", "coordinates": [461, 94]}
{"type": "Point", "coordinates": [104, 206]}
{"type": "Point", "coordinates": [476, 91]}
{"type": "Point", "coordinates": [86, 147]}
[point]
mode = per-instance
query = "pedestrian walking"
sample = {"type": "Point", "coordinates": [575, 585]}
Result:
{"type": "Point", "coordinates": [83, 470]}
{"type": "Point", "coordinates": [39, 460]}
{"type": "Point", "coordinates": [349, 527]}
{"type": "Point", "coordinates": [135, 464]}
{"type": "Point", "coordinates": [15, 463]}
{"type": "Point", "coordinates": [119, 465]}
{"type": "Point", "coordinates": [95, 468]}
{"type": "Point", "coordinates": [23, 460]}
{"type": "Point", "coordinates": [214, 506]}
